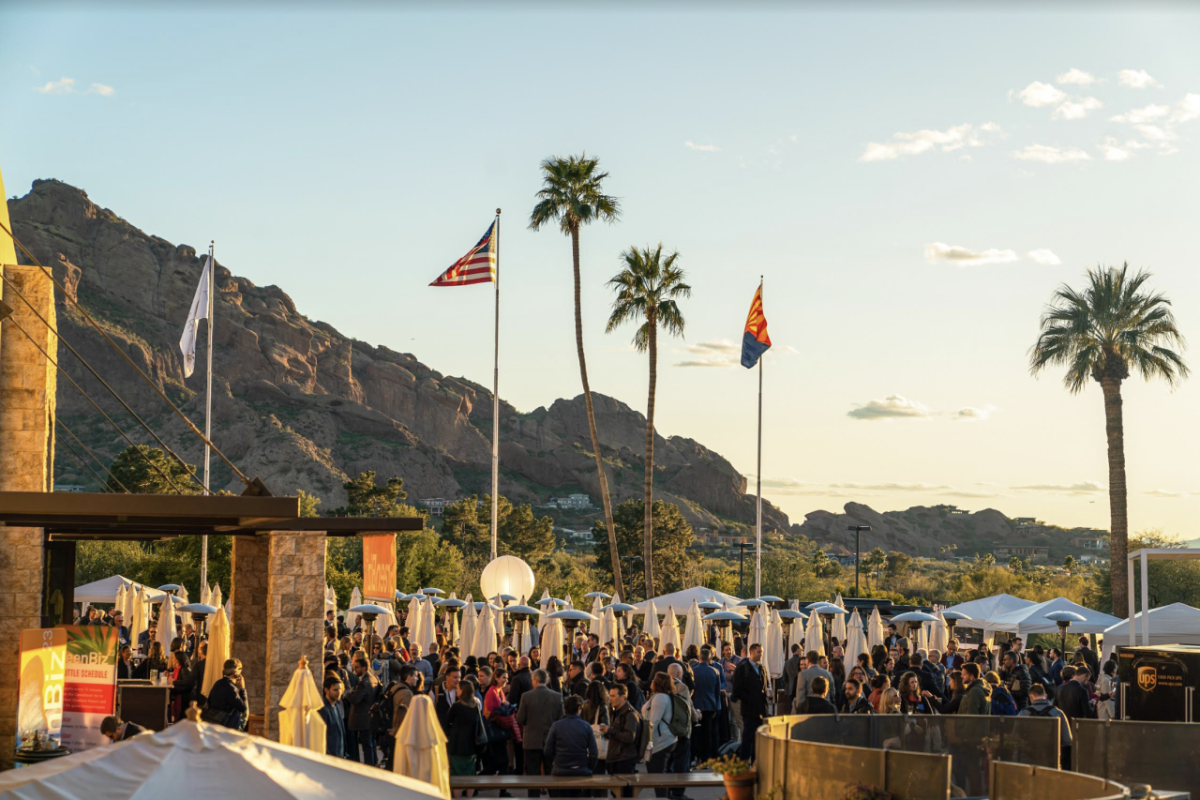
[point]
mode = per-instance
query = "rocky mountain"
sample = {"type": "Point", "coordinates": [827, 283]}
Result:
{"type": "Point", "coordinates": [921, 530]}
{"type": "Point", "coordinates": [302, 405]}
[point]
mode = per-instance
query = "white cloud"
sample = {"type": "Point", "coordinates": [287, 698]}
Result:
{"type": "Point", "coordinates": [971, 414]}
{"type": "Point", "coordinates": [1155, 133]}
{"type": "Point", "coordinates": [1050, 155]}
{"type": "Point", "coordinates": [704, 148]}
{"type": "Point", "coordinates": [1077, 109]}
{"type": "Point", "coordinates": [1114, 150]}
{"type": "Point", "coordinates": [893, 406]}
{"type": "Point", "coordinates": [965, 257]}
{"type": "Point", "coordinates": [1163, 493]}
{"type": "Point", "coordinates": [60, 86]}
{"type": "Point", "coordinates": [1081, 487]}
{"type": "Point", "coordinates": [923, 141]}
{"type": "Point", "coordinates": [67, 86]}
{"type": "Point", "coordinates": [1077, 77]}
{"type": "Point", "coordinates": [1136, 79]}
{"type": "Point", "coordinates": [1187, 109]}
{"type": "Point", "coordinates": [893, 487]}
{"type": "Point", "coordinates": [1139, 116]}
{"type": "Point", "coordinates": [720, 353]}
{"type": "Point", "coordinates": [1039, 95]}
{"type": "Point", "coordinates": [1043, 256]}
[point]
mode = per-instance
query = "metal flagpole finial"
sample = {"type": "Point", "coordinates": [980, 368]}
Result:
{"type": "Point", "coordinates": [497, 211]}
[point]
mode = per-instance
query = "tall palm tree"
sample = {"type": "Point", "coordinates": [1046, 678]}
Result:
{"type": "Point", "coordinates": [646, 291]}
{"type": "Point", "coordinates": [1101, 332]}
{"type": "Point", "coordinates": [572, 195]}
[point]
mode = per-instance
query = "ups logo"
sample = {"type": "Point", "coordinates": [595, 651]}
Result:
{"type": "Point", "coordinates": [1147, 678]}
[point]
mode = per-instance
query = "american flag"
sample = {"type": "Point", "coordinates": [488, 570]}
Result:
{"type": "Point", "coordinates": [477, 266]}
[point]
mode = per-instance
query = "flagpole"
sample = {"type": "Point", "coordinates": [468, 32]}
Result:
{"type": "Point", "coordinates": [496, 402]}
{"type": "Point", "coordinates": [208, 408]}
{"type": "Point", "coordinates": [758, 475]}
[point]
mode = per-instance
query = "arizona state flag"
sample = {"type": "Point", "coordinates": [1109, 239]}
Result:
{"type": "Point", "coordinates": [755, 340]}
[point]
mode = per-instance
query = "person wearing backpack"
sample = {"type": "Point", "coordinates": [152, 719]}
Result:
{"type": "Point", "coordinates": [659, 712]}
{"type": "Point", "coordinates": [683, 722]}
{"type": "Point", "coordinates": [358, 702]}
{"type": "Point", "coordinates": [1003, 704]}
{"type": "Point", "coordinates": [622, 733]}
{"type": "Point", "coordinates": [1041, 706]}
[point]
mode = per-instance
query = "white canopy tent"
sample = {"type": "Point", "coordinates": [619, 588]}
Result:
{"type": "Point", "coordinates": [1177, 623]}
{"type": "Point", "coordinates": [191, 759]}
{"type": "Point", "coordinates": [105, 590]}
{"type": "Point", "coordinates": [1033, 619]}
{"type": "Point", "coordinates": [985, 609]}
{"type": "Point", "coordinates": [683, 599]}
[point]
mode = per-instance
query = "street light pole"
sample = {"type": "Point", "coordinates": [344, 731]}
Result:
{"type": "Point", "coordinates": [741, 546]}
{"type": "Point", "coordinates": [858, 529]}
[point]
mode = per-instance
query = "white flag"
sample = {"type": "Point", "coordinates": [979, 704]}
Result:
{"type": "Point", "coordinates": [187, 342]}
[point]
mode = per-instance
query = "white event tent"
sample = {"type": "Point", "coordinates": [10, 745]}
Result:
{"type": "Point", "coordinates": [985, 609]}
{"type": "Point", "coordinates": [1177, 623]}
{"type": "Point", "coordinates": [1029, 620]}
{"type": "Point", "coordinates": [194, 759]}
{"type": "Point", "coordinates": [105, 590]}
{"type": "Point", "coordinates": [684, 599]}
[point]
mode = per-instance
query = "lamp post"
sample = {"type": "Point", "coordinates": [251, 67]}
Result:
{"type": "Point", "coordinates": [630, 559]}
{"type": "Point", "coordinates": [858, 529]}
{"type": "Point", "coordinates": [741, 546]}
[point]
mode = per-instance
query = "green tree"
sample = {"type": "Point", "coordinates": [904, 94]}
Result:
{"type": "Point", "coordinates": [898, 563]}
{"type": "Point", "coordinates": [875, 561]}
{"type": "Point", "coordinates": [308, 504]}
{"type": "Point", "coordinates": [647, 289]}
{"type": "Point", "coordinates": [572, 195]}
{"type": "Point", "coordinates": [672, 538]}
{"type": "Point", "coordinates": [819, 561]}
{"type": "Point", "coordinates": [148, 470]}
{"type": "Point", "coordinates": [1015, 564]}
{"type": "Point", "coordinates": [364, 498]}
{"type": "Point", "coordinates": [467, 524]}
{"type": "Point", "coordinates": [1111, 327]}
{"type": "Point", "coordinates": [1069, 563]}
{"type": "Point", "coordinates": [423, 559]}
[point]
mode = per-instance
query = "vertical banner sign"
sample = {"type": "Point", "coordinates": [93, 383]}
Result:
{"type": "Point", "coordinates": [90, 693]}
{"type": "Point", "coordinates": [43, 669]}
{"type": "Point", "coordinates": [379, 567]}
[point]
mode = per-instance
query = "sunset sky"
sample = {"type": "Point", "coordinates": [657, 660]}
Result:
{"type": "Point", "coordinates": [912, 186]}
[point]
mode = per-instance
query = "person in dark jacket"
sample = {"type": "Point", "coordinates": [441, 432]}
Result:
{"type": "Point", "coordinates": [622, 734]}
{"type": "Point", "coordinates": [706, 699]}
{"type": "Point", "coordinates": [520, 682]}
{"type": "Point", "coordinates": [1056, 666]}
{"type": "Point", "coordinates": [1015, 677]}
{"type": "Point", "coordinates": [1088, 655]}
{"type": "Point", "coordinates": [125, 666]}
{"type": "Point", "coordinates": [628, 678]}
{"type": "Point", "coordinates": [335, 719]}
{"type": "Point", "coordinates": [667, 660]}
{"type": "Point", "coordinates": [1037, 675]}
{"type": "Point", "coordinates": [571, 744]}
{"type": "Point", "coordinates": [750, 689]}
{"type": "Point", "coordinates": [182, 684]}
{"type": "Point", "coordinates": [358, 713]}
{"type": "Point", "coordinates": [113, 729]}
{"type": "Point", "coordinates": [462, 736]}
{"type": "Point", "coordinates": [227, 697]}
{"type": "Point", "coordinates": [816, 702]}
{"type": "Point", "coordinates": [977, 696]}
{"type": "Point", "coordinates": [853, 701]}
{"type": "Point", "coordinates": [539, 710]}
{"type": "Point", "coordinates": [1072, 697]}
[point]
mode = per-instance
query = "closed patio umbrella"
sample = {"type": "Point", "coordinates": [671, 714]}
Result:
{"type": "Point", "coordinates": [874, 629]}
{"type": "Point", "coordinates": [356, 599]}
{"type": "Point", "coordinates": [166, 624]}
{"type": "Point", "coordinates": [299, 723]}
{"type": "Point", "coordinates": [218, 650]}
{"type": "Point", "coordinates": [651, 626]}
{"type": "Point", "coordinates": [693, 632]}
{"type": "Point", "coordinates": [773, 655]}
{"type": "Point", "coordinates": [421, 747]}
{"type": "Point", "coordinates": [814, 634]}
{"type": "Point", "coordinates": [669, 632]}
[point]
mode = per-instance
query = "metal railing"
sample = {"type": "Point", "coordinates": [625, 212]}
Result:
{"type": "Point", "coordinates": [1165, 755]}
{"type": "Point", "coordinates": [1025, 782]}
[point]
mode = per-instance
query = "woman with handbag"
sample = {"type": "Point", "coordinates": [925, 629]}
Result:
{"type": "Point", "coordinates": [227, 699]}
{"type": "Point", "coordinates": [464, 732]}
{"type": "Point", "coordinates": [500, 719]}
{"type": "Point", "coordinates": [182, 684]}
{"type": "Point", "coordinates": [597, 713]}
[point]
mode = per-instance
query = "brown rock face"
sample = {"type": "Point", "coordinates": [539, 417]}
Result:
{"type": "Point", "coordinates": [919, 530]}
{"type": "Point", "coordinates": [303, 406]}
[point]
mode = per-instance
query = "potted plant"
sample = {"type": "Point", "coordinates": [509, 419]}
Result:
{"type": "Point", "coordinates": [739, 776]}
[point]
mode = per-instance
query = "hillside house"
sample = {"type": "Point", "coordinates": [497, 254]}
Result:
{"type": "Point", "coordinates": [1004, 552]}
{"type": "Point", "coordinates": [435, 505]}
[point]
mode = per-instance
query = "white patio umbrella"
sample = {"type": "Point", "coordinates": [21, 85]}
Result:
{"type": "Point", "coordinates": [119, 600]}
{"type": "Point", "coordinates": [206, 594]}
{"type": "Point", "coordinates": [569, 604]}
{"type": "Point", "coordinates": [758, 629]}
{"type": "Point", "coordinates": [874, 629]}
{"type": "Point", "coordinates": [166, 624]}
{"type": "Point", "coordinates": [413, 620]}
{"type": "Point", "coordinates": [467, 634]}
{"type": "Point", "coordinates": [229, 613]}
{"type": "Point", "coordinates": [356, 600]}
{"type": "Point", "coordinates": [838, 626]}
{"type": "Point", "coordinates": [552, 639]}
{"type": "Point", "coordinates": [485, 633]}
{"type": "Point", "coordinates": [693, 632]}
{"type": "Point", "coordinates": [651, 626]}
{"type": "Point", "coordinates": [542, 611]}
{"type": "Point", "coordinates": [773, 655]}
{"type": "Point", "coordinates": [136, 616]}
{"type": "Point", "coordinates": [421, 747]}
{"type": "Point", "coordinates": [218, 650]}
{"type": "Point", "coordinates": [839, 602]}
{"type": "Point", "coordinates": [195, 759]}
{"type": "Point", "coordinates": [669, 632]}
{"type": "Point", "coordinates": [216, 595]}
{"type": "Point", "coordinates": [299, 723]}
{"type": "Point", "coordinates": [814, 634]}
{"type": "Point", "coordinates": [937, 632]}
{"type": "Point", "coordinates": [185, 616]}
{"type": "Point", "coordinates": [855, 640]}
{"type": "Point", "coordinates": [597, 604]}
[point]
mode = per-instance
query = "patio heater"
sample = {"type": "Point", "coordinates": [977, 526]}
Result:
{"type": "Point", "coordinates": [952, 618]}
{"type": "Point", "coordinates": [724, 620]}
{"type": "Point", "coordinates": [571, 617]}
{"type": "Point", "coordinates": [370, 612]}
{"type": "Point", "coordinates": [1064, 620]}
{"type": "Point", "coordinates": [450, 606]}
{"type": "Point", "coordinates": [431, 591]}
{"type": "Point", "coordinates": [708, 607]}
{"type": "Point", "coordinates": [789, 617]}
{"type": "Point", "coordinates": [619, 611]}
{"type": "Point", "coordinates": [914, 620]}
{"type": "Point", "coordinates": [777, 603]}
{"type": "Point", "coordinates": [200, 613]}
{"type": "Point", "coordinates": [170, 588]}
{"type": "Point", "coordinates": [518, 614]}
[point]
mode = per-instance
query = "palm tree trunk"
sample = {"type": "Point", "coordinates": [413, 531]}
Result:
{"type": "Point", "coordinates": [648, 531]}
{"type": "Point", "coordinates": [591, 418]}
{"type": "Point", "coordinates": [1114, 428]}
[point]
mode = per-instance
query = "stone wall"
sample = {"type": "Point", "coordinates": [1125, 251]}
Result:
{"type": "Point", "coordinates": [27, 387]}
{"type": "Point", "coordinates": [249, 581]}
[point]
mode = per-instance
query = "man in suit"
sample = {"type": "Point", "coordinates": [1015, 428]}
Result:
{"type": "Point", "coordinates": [520, 682]}
{"type": "Point", "coordinates": [540, 708]}
{"type": "Point", "coordinates": [1088, 655]}
{"type": "Point", "coordinates": [118, 622]}
{"type": "Point", "coordinates": [1072, 697]}
{"type": "Point", "coordinates": [114, 729]}
{"type": "Point", "coordinates": [750, 690]}
{"type": "Point", "coordinates": [667, 660]}
{"type": "Point", "coordinates": [358, 713]}
{"type": "Point", "coordinates": [335, 720]}
{"type": "Point", "coordinates": [593, 648]}
{"type": "Point", "coordinates": [791, 673]}
{"type": "Point", "coordinates": [706, 698]}
{"type": "Point", "coordinates": [446, 695]}
{"type": "Point", "coordinates": [813, 670]}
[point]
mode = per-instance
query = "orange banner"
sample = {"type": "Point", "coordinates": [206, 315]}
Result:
{"type": "Point", "coordinates": [379, 567]}
{"type": "Point", "coordinates": [43, 673]}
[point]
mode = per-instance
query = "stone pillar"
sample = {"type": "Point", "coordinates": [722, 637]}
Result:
{"type": "Point", "coordinates": [27, 387]}
{"type": "Point", "coordinates": [295, 626]}
{"type": "Point", "coordinates": [278, 613]}
{"type": "Point", "coordinates": [248, 582]}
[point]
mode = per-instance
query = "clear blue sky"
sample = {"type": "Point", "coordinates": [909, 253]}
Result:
{"type": "Point", "coordinates": [905, 181]}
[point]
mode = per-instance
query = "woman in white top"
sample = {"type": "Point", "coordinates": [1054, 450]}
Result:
{"type": "Point", "coordinates": [658, 711]}
{"type": "Point", "coordinates": [1106, 684]}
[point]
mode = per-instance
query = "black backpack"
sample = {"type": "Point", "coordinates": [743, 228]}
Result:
{"type": "Point", "coordinates": [1040, 712]}
{"type": "Point", "coordinates": [380, 715]}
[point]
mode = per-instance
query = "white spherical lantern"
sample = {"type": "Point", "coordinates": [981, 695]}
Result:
{"type": "Point", "coordinates": [507, 575]}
